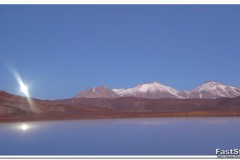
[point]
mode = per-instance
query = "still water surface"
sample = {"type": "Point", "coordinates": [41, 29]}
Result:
{"type": "Point", "coordinates": [154, 136]}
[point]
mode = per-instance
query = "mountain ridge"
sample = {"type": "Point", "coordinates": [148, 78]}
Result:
{"type": "Point", "coordinates": [17, 108]}
{"type": "Point", "coordinates": [156, 90]}
{"type": "Point", "coordinates": [98, 92]}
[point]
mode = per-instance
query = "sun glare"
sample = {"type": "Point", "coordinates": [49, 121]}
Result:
{"type": "Point", "coordinates": [24, 89]}
{"type": "Point", "coordinates": [22, 86]}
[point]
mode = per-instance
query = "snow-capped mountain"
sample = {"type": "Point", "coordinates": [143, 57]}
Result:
{"type": "Point", "coordinates": [155, 90]}
{"type": "Point", "coordinates": [97, 92]}
{"type": "Point", "coordinates": [152, 90]}
{"type": "Point", "coordinates": [213, 89]}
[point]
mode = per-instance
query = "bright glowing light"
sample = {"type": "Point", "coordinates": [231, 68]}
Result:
{"type": "Point", "coordinates": [22, 85]}
{"type": "Point", "coordinates": [24, 127]}
{"type": "Point", "coordinates": [24, 89]}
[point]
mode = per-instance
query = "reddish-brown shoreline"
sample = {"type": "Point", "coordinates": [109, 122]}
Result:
{"type": "Point", "coordinates": [47, 117]}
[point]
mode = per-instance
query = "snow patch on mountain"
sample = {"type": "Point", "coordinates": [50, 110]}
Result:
{"type": "Point", "coordinates": [149, 90]}
{"type": "Point", "coordinates": [213, 89]}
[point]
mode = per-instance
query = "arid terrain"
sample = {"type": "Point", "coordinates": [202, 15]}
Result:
{"type": "Point", "coordinates": [17, 108]}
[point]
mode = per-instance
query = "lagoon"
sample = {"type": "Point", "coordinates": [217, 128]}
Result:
{"type": "Point", "coordinates": [143, 136]}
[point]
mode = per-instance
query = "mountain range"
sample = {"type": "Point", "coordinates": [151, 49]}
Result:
{"type": "Point", "coordinates": [145, 100]}
{"type": "Point", "coordinates": [155, 90]}
{"type": "Point", "coordinates": [18, 108]}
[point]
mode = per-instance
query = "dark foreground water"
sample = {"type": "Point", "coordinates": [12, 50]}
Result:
{"type": "Point", "coordinates": [156, 136]}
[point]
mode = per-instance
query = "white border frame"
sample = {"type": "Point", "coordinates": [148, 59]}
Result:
{"type": "Point", "coordinates": [115, 2]}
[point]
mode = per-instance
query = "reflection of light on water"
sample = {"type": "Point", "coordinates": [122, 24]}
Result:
{"type": "Point", "coordinates": [24, 127]}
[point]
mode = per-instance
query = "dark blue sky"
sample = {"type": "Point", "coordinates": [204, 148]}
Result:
{"type": "Point", "coordinates": [60, 50]}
